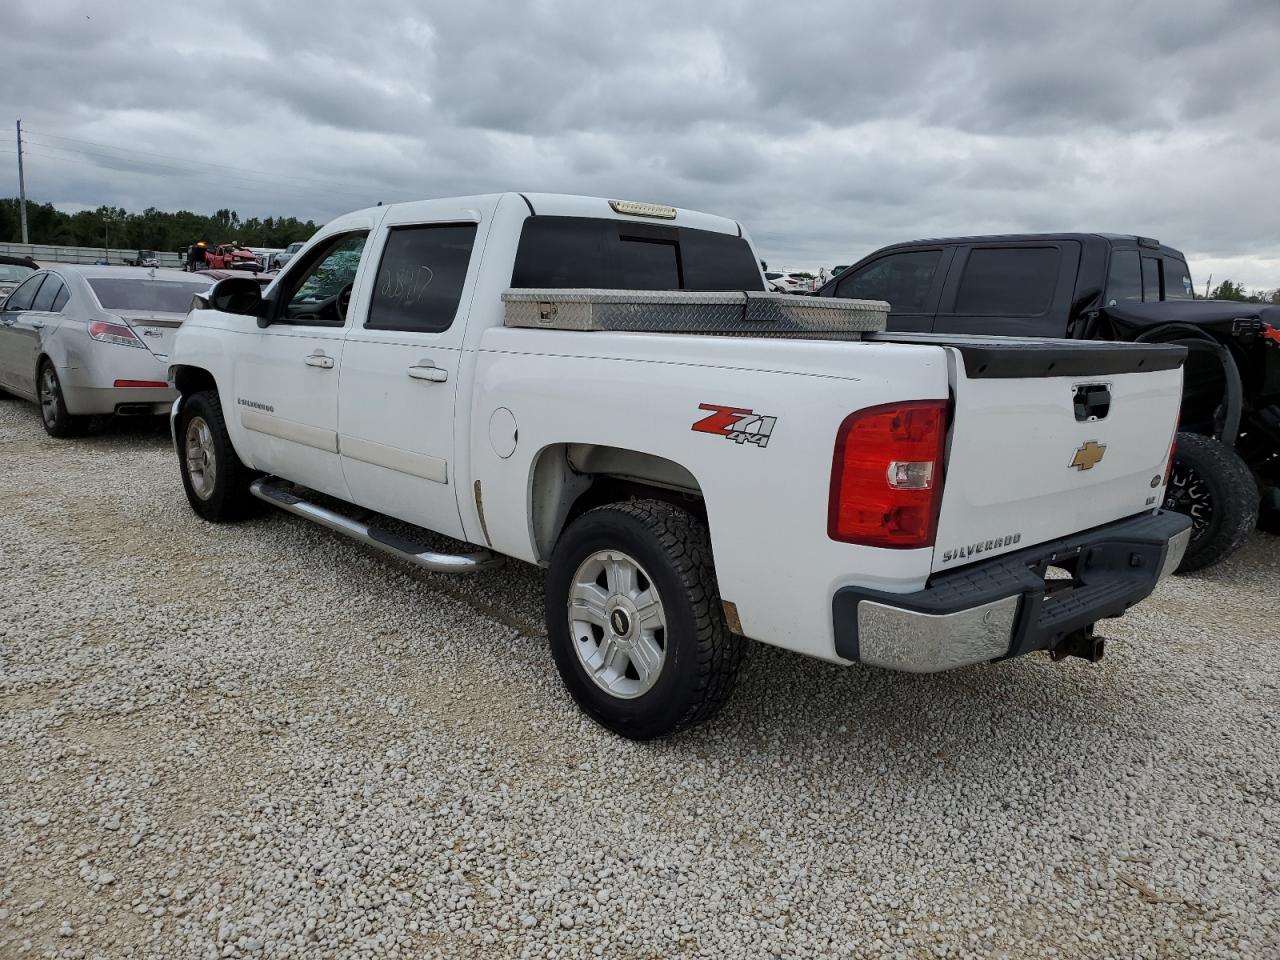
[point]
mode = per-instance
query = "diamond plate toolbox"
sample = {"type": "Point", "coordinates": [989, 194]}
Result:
{"type": "Point", "coordinates": [737, 312]}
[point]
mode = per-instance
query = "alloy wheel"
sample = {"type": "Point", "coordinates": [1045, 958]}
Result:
{"type": "Point", "coordinates": [617, 623]}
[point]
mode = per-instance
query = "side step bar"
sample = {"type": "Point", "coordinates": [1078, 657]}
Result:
{"type": "Point", "coordinates": [272, 491]}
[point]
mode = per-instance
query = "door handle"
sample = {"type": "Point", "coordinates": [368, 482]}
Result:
{"type": "Point", "coordinates": [320, 360]}
{"type": "Point", "coordinates": [426, 370]}
{"type": "Point", "coordinates": [38, 324]}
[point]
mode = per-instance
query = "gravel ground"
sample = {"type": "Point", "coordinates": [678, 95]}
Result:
{"type": "Point", "coordinates": [263, 741]}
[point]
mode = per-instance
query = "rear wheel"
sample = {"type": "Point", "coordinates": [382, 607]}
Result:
{"type": "Point", "coordinates": [635, 622]}
{"type": "Point", "coordinates": [215, 481]}
{"type": "Point", "coordinates": [53, 408]}
{"type": "Point", "coordinates": [1212, 485]}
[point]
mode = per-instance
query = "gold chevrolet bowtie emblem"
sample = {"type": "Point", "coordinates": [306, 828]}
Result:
{"type": "Point", "coordinates": [1089, 455]}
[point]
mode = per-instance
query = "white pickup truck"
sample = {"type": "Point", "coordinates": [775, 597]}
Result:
{"type": "Point", "coordinates": [910, 502]}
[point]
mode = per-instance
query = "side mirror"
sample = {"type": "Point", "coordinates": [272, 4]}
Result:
{"type": "Point", "coordinates": [242, 295]}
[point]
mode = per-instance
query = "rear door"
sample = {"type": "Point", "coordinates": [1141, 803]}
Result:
{"type": "Point", "coordinates": [909, 280]}
{"type": "Point", "coordinates": [15, 338]}
{"type": "Point", "coordinates": [1010, 289]}
{"type": "Point", "coordinates": [1053, 438]}
{"type": "Point", "coordinates": [401, 360]}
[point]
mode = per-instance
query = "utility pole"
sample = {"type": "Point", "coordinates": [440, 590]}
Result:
{"type": "Point", "coordinates": [22, 187]}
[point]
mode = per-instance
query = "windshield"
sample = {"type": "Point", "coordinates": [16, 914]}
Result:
{"type": "Point", "coordinates": [148, 296]}
{"type": "Point", "coordinates": [12, 273]}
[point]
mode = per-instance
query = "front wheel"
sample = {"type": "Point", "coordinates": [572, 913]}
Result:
{"type": "Point", "coordinates": [215, 481]}
{"type": "Point", "coordinates": [1214, 487]}
{"type": "Point", "coordinates": [53, 408]}
{"type": "Point", "coordinates": [635, 622]}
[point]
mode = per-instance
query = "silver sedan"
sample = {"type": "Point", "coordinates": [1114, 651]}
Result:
{"type": "Point", "coordinates": [85, 341]}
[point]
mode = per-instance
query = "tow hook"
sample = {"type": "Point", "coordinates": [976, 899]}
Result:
{"type": "Point", "coordinates": [1080, 643]}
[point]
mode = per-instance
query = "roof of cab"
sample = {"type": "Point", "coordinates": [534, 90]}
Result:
{"type": "Point", "coordinates": [570, 205]}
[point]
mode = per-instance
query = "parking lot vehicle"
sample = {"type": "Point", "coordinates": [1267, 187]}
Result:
{"type": "Point", "coordinates": [540, 378]}
{"type": "Point", "coordinates": [788, 282]}
{"type": "Point", "coordinates": [278, 260]}
{"type": "Point", "coordinates": [85, 340]}
{"type": "Point", "coordinates": [232, 256]}
{"type": "Point", "coordinates": [1115, 287]}
{"type": "Point", "coordinates": [13, 270]}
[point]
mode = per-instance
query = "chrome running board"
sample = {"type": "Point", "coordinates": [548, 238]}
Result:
{"type": "Point", "coordinates": [271, 489]}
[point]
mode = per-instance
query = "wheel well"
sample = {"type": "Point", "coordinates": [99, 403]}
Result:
{"type": "Point", "coordinates": [190, 380]}
{"type": "Point", "coordinates": [568, 479]}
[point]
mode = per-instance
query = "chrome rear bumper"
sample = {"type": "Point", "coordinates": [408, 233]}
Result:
{"type": "Point", "coordinates": [1004, 607]}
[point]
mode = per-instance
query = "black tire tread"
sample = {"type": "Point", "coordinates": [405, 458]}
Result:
{"type": "Point", "coordinates": [1235, 499]}
{"type": "Point", "coordinates": [710, 655]}
{"type": "Point", "coordinates": [67, 424]}
{"type": "Point", "coordinates": [232, 501]}
{"type": "Point", "coordinates": [685, 540]}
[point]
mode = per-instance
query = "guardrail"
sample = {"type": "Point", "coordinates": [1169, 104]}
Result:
{"type": "Point", "coordinates": [43, 253]}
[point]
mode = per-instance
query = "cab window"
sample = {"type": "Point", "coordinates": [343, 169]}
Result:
{"type": "Point", "coordinates": [1124, 278]}
{"type": "Point", "coordinates": [1177, 280]}
{"type": "Point", "coordinates": [420, 277]}
{"type": "Point", "coordinates": [901, 279]}
{"type": "Point", "coordinates": [318, 291]}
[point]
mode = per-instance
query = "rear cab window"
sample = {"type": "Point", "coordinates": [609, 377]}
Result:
{"type": "Point", "coordinates": [589, 252]}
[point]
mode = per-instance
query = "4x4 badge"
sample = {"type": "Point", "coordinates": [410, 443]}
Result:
{"type": "Point", "coordinates": [1089, 455]}
{"type": "Point", "coordinates": [738, 424]}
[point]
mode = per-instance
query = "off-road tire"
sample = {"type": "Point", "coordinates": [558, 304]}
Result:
{"type": "Point", "coordinates": [701, 655]}
{"type": "Point", "coordinates": [1207, 472]}
{"type": "Point", "coordinates": [54, 417]}
{"type": "Point", "coordinates": [229, 499]}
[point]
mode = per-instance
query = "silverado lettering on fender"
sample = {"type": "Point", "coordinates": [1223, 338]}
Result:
{"type": "Point", "coordinates": [443, 366]}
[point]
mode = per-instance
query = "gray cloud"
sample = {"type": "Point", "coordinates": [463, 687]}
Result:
{"type": "Point", "coordinates": [827, 128]}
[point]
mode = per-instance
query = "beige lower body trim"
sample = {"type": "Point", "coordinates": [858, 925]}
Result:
{"type": "Point", "coordinates": [393, 458]}
{"type": "Point", "coordinates": [305, 434]}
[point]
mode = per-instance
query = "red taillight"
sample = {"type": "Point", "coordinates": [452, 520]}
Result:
{"type": "Point", "coordinates": [113, 333]}
{"type": "Point", "coordinates": [886, 476]}
{"type": "Point", "coordinates": [1168, 467]}
{"type": "Point", "coordinates": [124, 384]}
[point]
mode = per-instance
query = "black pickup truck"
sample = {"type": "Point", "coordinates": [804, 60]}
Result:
{"type": "Point", "coordinates": [1112, 287]}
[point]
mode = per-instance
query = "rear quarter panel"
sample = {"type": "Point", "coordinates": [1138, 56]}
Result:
{"type": "Point", "coordinates": [766, 505]}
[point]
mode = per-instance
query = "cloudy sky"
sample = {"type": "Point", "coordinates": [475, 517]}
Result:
{"type": "Point", "coordinates": [829, 129]}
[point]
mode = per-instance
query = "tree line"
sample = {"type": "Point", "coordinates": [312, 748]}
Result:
{"type": "Point", "coordinates": [151, 229]}
{"type": "Point", "coordinates": [1227, 290]}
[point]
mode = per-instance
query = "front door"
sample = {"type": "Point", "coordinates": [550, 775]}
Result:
{"type": "Point", "coordinates": [400, 366]}
{"type": "Point", "coordinates": [286, 375]}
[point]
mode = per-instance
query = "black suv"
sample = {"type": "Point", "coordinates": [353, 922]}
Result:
{"type": "Point", "coordinates": [1110, 287]}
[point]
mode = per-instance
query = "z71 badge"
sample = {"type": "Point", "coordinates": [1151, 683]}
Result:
{"type": "Point", "coordinates": [737, 424]}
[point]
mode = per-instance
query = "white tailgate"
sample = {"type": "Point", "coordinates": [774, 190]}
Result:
{"type": "Point", "coordinates": [1010, 480]}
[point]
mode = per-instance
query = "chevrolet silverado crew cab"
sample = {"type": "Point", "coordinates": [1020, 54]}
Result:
{"type": "Point", "coordinates": [1106, 286]}
{"type": "Point", "coordinates": [605, 389]}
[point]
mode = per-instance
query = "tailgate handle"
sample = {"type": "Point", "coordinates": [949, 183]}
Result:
{"type": "Point", "coordinates": [1092, 401]}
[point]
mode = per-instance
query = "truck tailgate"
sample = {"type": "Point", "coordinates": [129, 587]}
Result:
{"type": "Point", "coordinates": [1050, 438]}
